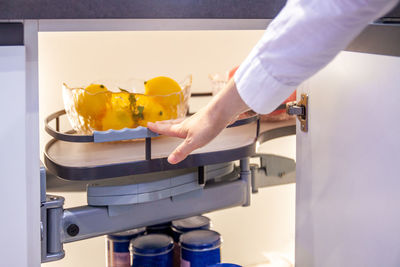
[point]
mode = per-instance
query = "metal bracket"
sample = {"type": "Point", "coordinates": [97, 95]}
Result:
{"type": "Point", "coordinates": [299, 108]}
{"type": "Point", "coordinates": [51, 219]}
{"type": "Point", "coordinates": [51, 212]}
{"type": "Point", "coordinates": [274, 170]}
{"type": "Point", "coordinates": [87, 221]}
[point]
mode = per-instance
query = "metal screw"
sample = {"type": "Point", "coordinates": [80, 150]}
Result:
{"type": "Point", "coordinates": [73, 230]}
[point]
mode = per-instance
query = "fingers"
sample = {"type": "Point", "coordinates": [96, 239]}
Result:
{"type": "Point", "coordinates": [169, 129]}
{"type": "Point", "coordinates": [182, 151]}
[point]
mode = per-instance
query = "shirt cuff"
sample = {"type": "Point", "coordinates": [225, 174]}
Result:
{"type": "Point", "coordinates": [258, 89]}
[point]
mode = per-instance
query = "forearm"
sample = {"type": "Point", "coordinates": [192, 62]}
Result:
{"type": "Point", "coordinates": [301, 40]}
{"type": "Point", "coordinates": [298, 43]}
{"type": "Point", "coordinates": [227, 104]}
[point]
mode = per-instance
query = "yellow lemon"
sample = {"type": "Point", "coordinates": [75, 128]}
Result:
{"type": "Point", "coordinates": [161, 86]}
{"type": "Point", "coordinates": [96, 88]}
{"type": "Point", "coordinates": [149, 110]}
{"type": "Point", "coordinates": [91, 103]}
{"type": "Point", "coordinates": [119, 114]}
{"type": "Point", "coordinates": [166, 87]}
{"type": "Point", "coordinates": [117, 120]}
{"type": "Point", "coordinates": [120, 100]}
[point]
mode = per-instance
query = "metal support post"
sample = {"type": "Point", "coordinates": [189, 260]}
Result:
{"type": "Point", "coordinates": [253, 169]}
{"type": "Point", "coordinates": [245, 175]}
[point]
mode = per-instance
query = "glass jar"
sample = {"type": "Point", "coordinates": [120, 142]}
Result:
{"type": "Point", "coordinates": [118, 247]}
{"type": "Point", "coordinates": [200, 248]}
{"type": "Point", "coordinates": [152, 250]}
{"type": "Point", "coordinates": [183, 226]}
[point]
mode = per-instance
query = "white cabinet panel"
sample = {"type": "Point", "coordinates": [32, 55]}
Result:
{"type": "Point", "coordinates": [13, 183]}
{"type": "Point", "coordinates": [348, 183]}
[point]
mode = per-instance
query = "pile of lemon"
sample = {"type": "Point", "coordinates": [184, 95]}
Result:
{"type": "Point", "coordinates": [100, 109]}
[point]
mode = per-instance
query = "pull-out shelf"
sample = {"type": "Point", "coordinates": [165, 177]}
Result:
{"type": "Point", "coordinates": [89, 161]}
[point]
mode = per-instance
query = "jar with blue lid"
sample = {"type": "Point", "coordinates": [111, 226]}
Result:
{"type": "Point", "coordinates": [118, 247]}
{"type": "Point", "coordinates": [189, 224]}
{"type": "Point", "coordinates": [183, 226]}
{"type": "Point", "coordinates": [152, 250]}
{"type": "Point", "coordinates": [200, 248]}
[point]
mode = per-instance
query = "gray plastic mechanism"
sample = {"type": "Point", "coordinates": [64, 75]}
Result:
{"type": "Point", "coordinates": [120, 192]}
{"type": "Point", "coordinates": [90, 221]}
{"type": "Point", "coordinates": [233, 184]}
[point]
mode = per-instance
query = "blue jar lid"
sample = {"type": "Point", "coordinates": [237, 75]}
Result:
{"type": "Point", "coordinates": [191, 223]}
{"type": "Point", "coordinates": [200, 239]}
{"type": "Point", "coordinates": [127, 235]}
{"type": "Point", "coordinates": [151, 244]}
{"type": "Point", "coordinates": [225, 264]}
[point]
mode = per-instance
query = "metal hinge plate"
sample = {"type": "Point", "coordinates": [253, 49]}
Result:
{"type": "Point", "coordinates": [300, 109]}
{"type": "Point", "coordinates": [273, 170]}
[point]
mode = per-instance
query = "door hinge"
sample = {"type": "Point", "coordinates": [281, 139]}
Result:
{"type": "Point", "coordinates": [299, 108]}
{"type": "Point", "coordinates": [51, 213]}
{"type": "Point", "coordinates": [51, 217]}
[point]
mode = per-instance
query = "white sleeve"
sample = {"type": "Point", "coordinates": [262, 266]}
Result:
{"type": "Point", "coordinates": [304, 37]}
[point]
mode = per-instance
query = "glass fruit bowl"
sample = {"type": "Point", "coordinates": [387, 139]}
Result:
{"type": "Point", "coordinates": [97, 108]}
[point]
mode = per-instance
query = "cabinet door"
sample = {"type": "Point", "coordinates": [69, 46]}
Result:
{"type": "Point", "coordinates": [15, 204]}
{"type": "Point", "coordinates": [348, 179]}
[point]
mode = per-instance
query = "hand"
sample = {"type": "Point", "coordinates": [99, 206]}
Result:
{"type": "Point", "coordinates": [205, 125]}
{"type": "Point", "coordinates": [197, 130]}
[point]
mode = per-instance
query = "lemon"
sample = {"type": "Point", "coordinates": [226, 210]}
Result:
{"type": "Point", "coordinates": [161, 86]}
{"type": "Point", "coordinates": [149, 110]}
{"type": "Point", "coordinates": [119, 114]}
{"type": "Point", "coordinates": [120, 100]}
{"type": "Point", "coordinates": [167, 90]}
{"type": "Point", "coordinates": [91, 103]}
{"type": "Point", "coordinates": [117, 120]}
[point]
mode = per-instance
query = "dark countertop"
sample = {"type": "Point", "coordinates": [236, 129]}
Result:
{"type": "Point", "coordinates": [156, 9]}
